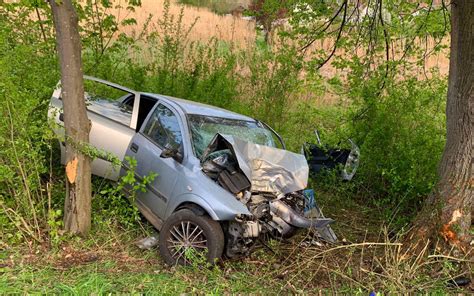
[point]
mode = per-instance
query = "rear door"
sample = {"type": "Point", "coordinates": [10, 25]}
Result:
{"type": "Point", "coordinates": [161, 128]}
{"type": "Point", "coordinates": [113, 123]}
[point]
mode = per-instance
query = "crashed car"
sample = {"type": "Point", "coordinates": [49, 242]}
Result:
{"type": "Point", "coordinates": [222, 181]}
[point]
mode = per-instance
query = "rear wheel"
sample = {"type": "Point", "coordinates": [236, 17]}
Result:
{"type": "Point", "coordinates": [186, 236]}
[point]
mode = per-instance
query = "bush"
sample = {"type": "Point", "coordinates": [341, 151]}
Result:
{"type": "Point", "coordinates": [401, 134]}
{"type": "Point", "coordinates": [28, 75]}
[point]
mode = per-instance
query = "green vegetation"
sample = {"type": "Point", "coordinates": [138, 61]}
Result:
{"type": "Point", "coordinates": [109, 262]}
{"type": "Point", "coordinates": [396, 117]}
{"type": "Point", "coordinates": [217, 6]}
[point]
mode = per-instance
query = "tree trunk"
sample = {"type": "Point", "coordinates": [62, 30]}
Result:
{"type": "Point", "coordinates": [448, 211]}
{"type": "Point", "coordinates": [77, 211]}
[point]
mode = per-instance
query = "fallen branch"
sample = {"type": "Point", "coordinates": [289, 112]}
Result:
{"type": "Point", "coordinates": [451, 258]}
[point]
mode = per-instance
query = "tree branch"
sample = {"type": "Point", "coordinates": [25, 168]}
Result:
{"type": "Point", "coordinates": [41, 24]}
{"type": "Point", "coordinates": [386, 38]}
{"type": "Point", "coordinates": [325, 25]}
{"type": "Point", "coordinates": [339, 34]}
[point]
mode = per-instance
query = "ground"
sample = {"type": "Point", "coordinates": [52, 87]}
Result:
{"type": "Point", "coordinates": [365, 260]}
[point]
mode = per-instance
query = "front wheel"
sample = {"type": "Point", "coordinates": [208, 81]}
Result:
{"type": "Point", "coordinates": [186, 236]}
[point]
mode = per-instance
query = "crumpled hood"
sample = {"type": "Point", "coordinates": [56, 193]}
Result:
{"type": "Point", "coordinates": [268, 169]}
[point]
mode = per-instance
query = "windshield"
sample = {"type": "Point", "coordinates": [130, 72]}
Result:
{"type": "Point", "coordinates": [204, 128]}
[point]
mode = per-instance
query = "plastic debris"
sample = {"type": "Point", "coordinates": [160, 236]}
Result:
{"type": "Point", "coordinates": [147, 242]}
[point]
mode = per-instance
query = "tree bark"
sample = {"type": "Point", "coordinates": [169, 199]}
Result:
{"type": "Point", "coordinates": [448, 212]}
{"type": "Point", "coordinates": [77, 211]}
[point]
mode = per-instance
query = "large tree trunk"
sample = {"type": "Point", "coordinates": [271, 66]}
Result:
{"type": "Point", "coordinates": [77, 214]}
{"type": "Point", "coordinates": [448, 212]}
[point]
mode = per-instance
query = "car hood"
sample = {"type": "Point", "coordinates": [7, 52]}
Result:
{"type": "Point", "coordinates": [267, 168]}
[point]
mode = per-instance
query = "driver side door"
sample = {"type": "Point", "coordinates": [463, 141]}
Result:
{"type": "Point", "coordinates": [162, 128]}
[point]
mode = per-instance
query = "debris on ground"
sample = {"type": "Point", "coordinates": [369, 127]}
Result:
{"type": "Point", "coordinates": [148, 242]}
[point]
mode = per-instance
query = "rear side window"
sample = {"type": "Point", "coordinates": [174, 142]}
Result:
{"type": "Point", "coordinates": [163, 127]}
{"type": "Point", "coordinates": [108, 101]}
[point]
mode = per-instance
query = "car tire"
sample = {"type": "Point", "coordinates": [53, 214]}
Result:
{"type": "Point", "coordinates": [186, 231]}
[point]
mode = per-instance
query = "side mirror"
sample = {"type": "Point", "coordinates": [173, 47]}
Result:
{"type": "Point", "coordinates": [171, 152]}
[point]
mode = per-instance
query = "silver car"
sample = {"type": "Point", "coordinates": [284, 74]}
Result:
{"type": "Point", "coordinates": [222, 181]}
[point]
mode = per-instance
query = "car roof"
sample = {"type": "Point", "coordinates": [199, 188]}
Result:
{"type": "Point", "coordinates": [191, 107]}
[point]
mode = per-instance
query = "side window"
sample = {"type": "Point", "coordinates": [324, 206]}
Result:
{"type": "Point", "coordinates": [107, 101]}
{"type": "Point", "coordinates": [163, 127]}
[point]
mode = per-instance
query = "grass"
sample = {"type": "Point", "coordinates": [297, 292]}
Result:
{"type": "Point", "coordinates": [85, 280]}
{"type": "Point", "coordinates": [92, 278]}
{"type": "Point", "coordinates": [109, 262]}
{"type": "Point", "coordinates": [69, 271]}
{"type": "Point", "coordinates": [208, 24]}
{"type": "Point", "coordinates": [217, 6]}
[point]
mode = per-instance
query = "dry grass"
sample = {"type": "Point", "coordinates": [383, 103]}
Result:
{"type": "Point", "coordinates": [208, 24]}
{"type": "Point", "coordinates": [368, 265]}
{"type": "Point", "coordinates": [242, 32]}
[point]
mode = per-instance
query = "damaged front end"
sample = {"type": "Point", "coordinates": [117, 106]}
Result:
{"type": "Point", "coordinates": [271, 183]}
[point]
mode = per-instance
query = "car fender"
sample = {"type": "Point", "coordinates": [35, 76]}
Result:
{"type": "Point", "coordinates": [219, 210]}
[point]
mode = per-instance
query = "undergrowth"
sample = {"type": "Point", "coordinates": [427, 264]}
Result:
{"type": "Point", "coordinates": [110, 262]}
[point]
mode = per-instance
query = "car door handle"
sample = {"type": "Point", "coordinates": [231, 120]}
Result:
{"type": "Point", "coordinates": [134, 147]}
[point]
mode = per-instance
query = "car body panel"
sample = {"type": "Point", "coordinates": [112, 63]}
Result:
{"type": "Point", "coordinates": [191, 107]}
{"type": "Point", "coordinates": [206, 193]}
{"type": "Point", "coordinates": [149, 161]}
{"type": "Point", "coordinates": [116, 142]}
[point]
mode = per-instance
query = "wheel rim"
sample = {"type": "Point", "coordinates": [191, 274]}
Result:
{"type": "Point", "coordinates": [184, 238]}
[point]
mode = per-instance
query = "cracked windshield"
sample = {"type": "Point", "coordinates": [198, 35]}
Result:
{"type": "Point", "coordinates": [204, 128]}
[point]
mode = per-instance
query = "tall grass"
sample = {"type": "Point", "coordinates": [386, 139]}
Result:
{"type": "Point", "coordinates": [217, 6]}
{"type": "Point", "coordinates": [209, 25]}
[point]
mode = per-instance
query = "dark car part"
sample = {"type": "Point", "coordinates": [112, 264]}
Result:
{"type": "Point", "coordinates": [185, 235]}
{"type": "Point", "coordinates": [233, 181]}
{"type": "Point", "coordinates": [459, 281]}
{"type": "Point", "coordinates": [241, 237]}
{"type": "Point", "coordinates": [221, 167]}
{"type": "Point", "coordinates": [321, 157]}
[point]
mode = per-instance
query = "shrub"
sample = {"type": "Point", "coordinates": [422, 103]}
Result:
{"type": "Point", "coordinates": [28, 74]}
{"type": "Point", "coordinates": [401, 134]}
